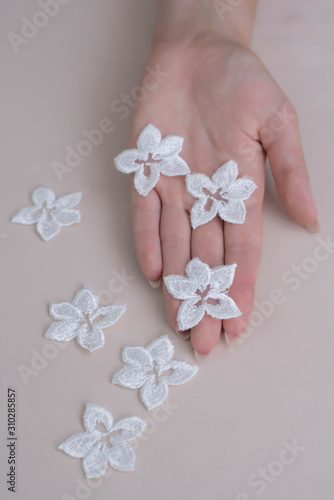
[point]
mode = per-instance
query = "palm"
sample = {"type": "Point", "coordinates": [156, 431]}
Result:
{"type": "Point", "coordinates": [218, 97]}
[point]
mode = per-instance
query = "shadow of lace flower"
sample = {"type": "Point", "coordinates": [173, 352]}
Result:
{"type": "Point", "coordinates": [49, 213]}
{"type": "Point", "coordinates": [91, 445]}
{"type": "Point", "coordinates": [153, 156]}
{"type": "Point", "coordinates": [152, 369]}
{"type": "Point", "coordinates": [83, 319]}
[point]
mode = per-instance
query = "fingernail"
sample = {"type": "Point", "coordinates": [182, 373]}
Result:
{"type": "Point", "coordinates": [199, 356]}
{"type": "Point", "coordinates": [230, 340]}
{"type": "Point", "coordinates": [183, 335]}
{"type": "Point", "coordinates": [314, 228]}
{"type": "Point", "coordinates": [155, 284]}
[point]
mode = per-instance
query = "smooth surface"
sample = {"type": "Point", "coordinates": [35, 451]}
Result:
{"type": "Point", "coordinates": [233, 418]}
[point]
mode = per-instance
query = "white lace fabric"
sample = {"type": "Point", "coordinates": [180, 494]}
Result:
{"type": "Point", "coordinates": [223, 194]}
{"type": "Point", "coordinates": [203, 291]}
{"type": "Point", "coordinates": [93, 445]}
{"type": "Point", "coordinates": [152, 369]}
{"type": "Point", "coordinates": [49, 213]}
{"type": "Point", "coordinates": [155, 155]}
{"type": "Point", "coordinates": [83, 319]}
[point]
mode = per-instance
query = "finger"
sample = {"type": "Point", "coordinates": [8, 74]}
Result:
{"type": "Point", "coordinates": [175, 242]}
{"type": "Point", "coordinates": [146, 222]}
{"type": "Point", "coordinates": [243, 247]}
{"type": "Point", "coordinates": [285, 154]}
{"type": "Point", "coordinates": [207, 243]}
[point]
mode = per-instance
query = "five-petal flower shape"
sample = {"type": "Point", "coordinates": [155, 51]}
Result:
{"type": "Point", "coordinates": [223, 194]}
{"type": "Point", "coordinates": [83, 319]}
{"type": "Point", "coordinates": [49, 213]}
{"type": "Point", "coordinates": [91, 445]}
{"type": "Point", "coordinates": [153, 156]}
{"type": "Point", "coordinates": [152, 369]}
{"type": "Point", "coordinates": [203, 291]}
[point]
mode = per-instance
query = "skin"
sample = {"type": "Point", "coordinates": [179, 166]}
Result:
{"type": "Point", "coordinates": [218, 96]}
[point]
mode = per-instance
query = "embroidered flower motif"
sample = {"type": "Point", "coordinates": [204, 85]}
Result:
{"type": "Point", "coordinates": [49, 213]}
{"type": "Point", "coordinates": [152, 370]}
{"type": "Point", "coordinates": [83, 319]}
{"type": "Point", "coordinates": [95, 452]}
{"type": "Point", "coordinates": [153, 157]}
{"type": "Point", "coordinates": [223, 194]}
{"type": "Point", "coordinates": [203, 291]}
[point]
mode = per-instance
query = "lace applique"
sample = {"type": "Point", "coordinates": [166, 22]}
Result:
{"type": "Point", "coordinates": [92, 445]}
{"type": "Point", "coordinates": [83, 319]}
{"type": "Point", "coordinates": [49, 213]}
{"type": "Point", "coordinates": [223, 194]}
{"type": "Point", "coordinates": [203, 290]}
{"type": "Point", "coordinates": [153, 157]}
{"type": "Point", "coordinates": [152, 370]}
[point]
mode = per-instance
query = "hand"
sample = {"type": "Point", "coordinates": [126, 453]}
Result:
{"type": "Point", "coordinates": [220, 98]}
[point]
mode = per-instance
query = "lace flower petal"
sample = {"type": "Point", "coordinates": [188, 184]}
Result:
{"type": "Point", "coordinates": [47, 227]}
{"type": "Point", "coordinates": [234, 211]}
{"type": "Point", "coordinates": [63, 330]}
{"type": "Point", "coordinates": [86, 300]}
{"type": "Point", "coordinates": [145, 183]}
{"type": "Point", "coordinates": [27, 216]}
{"type": "Point", "coordinates": [189, 314]}
{"type": "Point", "coordinates": [170, 146]}
{"type": "Point", "coordinates": [49, 213]}
{"type": "Point", "coordinates": [198, 272]}
{"type": "Point", "coordinates": [79, 444]}
{"type": "Point", "coordinates": [173, 166]}
{"type": "Point", "coordinates": [66, 217]}
{"type": "Point", "coordinates": [91, 339]}
{"type": "Point", "coordinates": [127, 429]}
{"type": "Point", "coordinates": [227, 197]}
{"type": "Point", "coordinates": [196, 183]}
{"type": "Point", "coordinates": [181, 372]}
{"type": "Point", "coordinates": [160, 156]}
{"type": "Point", "coordinates": [67, 201]}
{"type": "Point", "coordinates": [161, 351]}
{"type": "Point", "coordinates": [42, 195]}
{"type": "Point", "coordinates": [212, 286]}
{"type": "Point", "coordinates": [226, 308]}
{"type": "Point", "coordinates": [221, 278]}
{"type": "Point", "coordinates": [95, 414]}
{"type": "Point", "coordinates": [200, 214]}
{"type": "Point", "coordinates": [149, 139]}
{"type": "Point", "coordinates": [128, 161]}
{"type": "Point", "coordinates": [226, 175]}
{"type": "Point", "coordinates": [132, 376]}
{"type": "Point", "coordinates": [180, 287]}
{"type": "Point", "coordinates": [95, 462]}
{"type": "Point", "coordinates": [137, 355]}
{"type": "Point", "coordinates": [241, 189]}
{"type": "Point", "coordinates": [121, 457]}
{"type": "Point", "coordinates": [150, 377]}
{"type": "Point", "coordinates": [109, 315]}
{"type": "Point", "coordinates": [65, 310]}
{"type": "Point", "coordinates": [153, 393]}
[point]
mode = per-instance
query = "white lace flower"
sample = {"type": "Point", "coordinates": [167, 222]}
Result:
{"type": "Point", "coordinates": [153, 157]}
{"type": "Point", "coordinates": [49, 213]}
{"type": "Point", "coordinates": [223, 194]}
{"type": "Point", "coordinates": [152, 370]}
{"type": "Point", "coordinates": [83, 319]}
{"type": "Point", "coordinates": [203, 291]}
{"type": "Point", "coordinates": [91, 445]}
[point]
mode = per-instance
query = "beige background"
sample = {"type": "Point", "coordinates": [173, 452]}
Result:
{"type": "Point", "coordinates": [275, 385]}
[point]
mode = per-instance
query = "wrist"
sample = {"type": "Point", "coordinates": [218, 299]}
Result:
{"type": "Point", "coordinates": [191, 20]}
